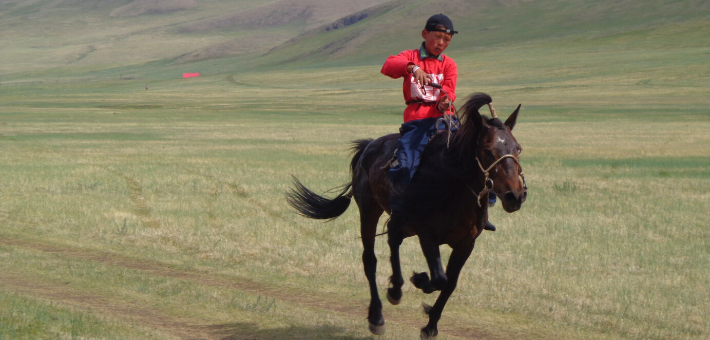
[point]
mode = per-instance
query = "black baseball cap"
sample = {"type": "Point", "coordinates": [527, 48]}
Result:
{"type": "Point", "coordinates": [440, 19]}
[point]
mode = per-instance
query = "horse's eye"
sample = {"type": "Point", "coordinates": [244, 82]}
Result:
{"type": "Point", "coordinates": [520, 151]}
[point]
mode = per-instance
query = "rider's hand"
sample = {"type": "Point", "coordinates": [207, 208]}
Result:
{"type": "Point", "coordinates": [421, 77]}
{"type": "Point", "coordinates": [444, 104]}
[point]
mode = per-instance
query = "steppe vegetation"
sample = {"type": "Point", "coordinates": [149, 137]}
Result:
{"type": "Point", "coordinates": [131, 213]}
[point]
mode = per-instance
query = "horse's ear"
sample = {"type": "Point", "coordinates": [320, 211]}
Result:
{"type": "Point", "coordinates": [510, 122]}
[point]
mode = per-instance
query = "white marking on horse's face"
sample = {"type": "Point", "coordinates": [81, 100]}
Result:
{"type": "Point", "coordinates": [501, 140]}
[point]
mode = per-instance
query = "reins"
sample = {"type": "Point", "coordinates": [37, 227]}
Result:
{"type": "Point", "coordinates": [447, 118]}
{"type": "Point", "coordinates": [487, 179]}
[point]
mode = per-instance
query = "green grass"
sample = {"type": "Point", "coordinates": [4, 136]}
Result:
{"type": "Point", "coordinates": [610, 244]}
{"type": "Point", "coordinates": [169, 203]}
{"type": "Point", "coordinates": [25, 318]}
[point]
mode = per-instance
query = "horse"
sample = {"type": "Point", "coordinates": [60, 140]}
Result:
{"type": "Point", "coordinates": [446, 202]}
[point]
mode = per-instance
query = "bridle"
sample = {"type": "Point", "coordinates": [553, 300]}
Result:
{"type": "Point", "coordinates": [488, 181]}
{"type": "Point", "coordinates": [448, 121]}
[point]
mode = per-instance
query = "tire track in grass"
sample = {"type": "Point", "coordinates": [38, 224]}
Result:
{"type": "Point", "coordinates": [215, 221]}
{"type": "Point", "coordinates": [140, 207]}
{"type": "Point", "coordinates": [146, 317]}
{"type": "Point", "coordinates": [323, 301]}
{"type": "Point", "coordinates": [242, 192]}
{"type": "Point", "coordinates": [4, 215]}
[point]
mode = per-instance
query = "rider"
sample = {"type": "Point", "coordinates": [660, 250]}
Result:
{"type": "Point", "coordinates": [421, 68]}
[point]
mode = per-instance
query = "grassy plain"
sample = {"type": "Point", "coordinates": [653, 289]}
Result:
{"type": "Point", "coordinates": [168, 203]}
{"type": "Point", "coordinates": [160, 213]}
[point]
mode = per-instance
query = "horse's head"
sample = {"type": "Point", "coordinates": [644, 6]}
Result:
{"type": "Point", "coordinates": [497, 152]}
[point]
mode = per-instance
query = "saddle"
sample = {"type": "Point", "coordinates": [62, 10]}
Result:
{"type": "Point", "coordinates": [450, 125]}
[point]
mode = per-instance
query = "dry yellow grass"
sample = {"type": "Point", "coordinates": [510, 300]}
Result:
{"type": "Point", "coordinates": [611, 243]}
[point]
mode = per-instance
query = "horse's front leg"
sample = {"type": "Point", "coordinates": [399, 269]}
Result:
{"type": "Point", "coordinates": [458, 258]}
{"type": "Point", "coordinates": [430, 248]}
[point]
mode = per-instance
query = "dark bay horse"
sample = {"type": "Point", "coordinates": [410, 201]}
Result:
{"type": "Point", "coordinates": [446, 203]}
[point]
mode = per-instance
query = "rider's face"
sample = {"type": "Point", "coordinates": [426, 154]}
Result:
{"type": "Point", "coordinates": [436, 42]}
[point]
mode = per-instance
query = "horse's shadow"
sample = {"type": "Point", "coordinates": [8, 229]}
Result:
{"type": "Point", "coordinates": [251, 331]}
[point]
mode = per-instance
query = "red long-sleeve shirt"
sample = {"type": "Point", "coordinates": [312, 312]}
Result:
{"type": "Point", "coordinates": [444, 71]}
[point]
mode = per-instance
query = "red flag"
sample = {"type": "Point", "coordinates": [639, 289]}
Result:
{"type": "Point", "coordinates": [190, 75]}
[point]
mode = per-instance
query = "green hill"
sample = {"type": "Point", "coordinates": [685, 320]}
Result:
{"type": "Point", "coordinates": [153, 38]}
{"type": "Point", "coordinates": [100, 34]}
{"type": "Point", "coordinates": [488, 24]}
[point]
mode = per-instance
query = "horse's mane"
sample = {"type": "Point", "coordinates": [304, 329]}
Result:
{"type": "Point", "coordinates": [447, 166]}
{"type": "Point", "coordinates": [471, 119]}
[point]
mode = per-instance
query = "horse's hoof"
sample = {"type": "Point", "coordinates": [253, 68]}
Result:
{"type": "Point", "coordinates": [426, 335]}
{"type": "Point", "coordinates": [377, 330]}
{"type": "Point", "coordinates": [427, 308]}
{"type": "Point", "coordinates": [420, 280]}
{"type": "Point", "coordinates": [392, 300]}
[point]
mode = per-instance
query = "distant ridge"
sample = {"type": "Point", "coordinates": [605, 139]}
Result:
{"type": "Point", "coordinates": [40, 34]}
{"type": "Point", "coordinates": [365, 17]}
{"type": "Point", "coordinates": [280, 13]}
{"type": "Point", "coordinates": [376, 32]}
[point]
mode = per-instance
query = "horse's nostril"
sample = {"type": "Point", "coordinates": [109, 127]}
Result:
{"type": "Point", "coordinates": [524, 196]}
{"type": "Point", "coordinates": [510, 196]}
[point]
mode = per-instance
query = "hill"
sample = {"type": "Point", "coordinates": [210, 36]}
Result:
{"type": "Point", "coordinates": [83, 37]}
{"type": "Point", "coordinates": [487, 24]}
{"type": "Point", "coordinates": [40, 35]}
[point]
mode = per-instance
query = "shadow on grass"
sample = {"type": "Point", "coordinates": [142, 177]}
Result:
{"type": "Point", "coordinates": [250, 331]}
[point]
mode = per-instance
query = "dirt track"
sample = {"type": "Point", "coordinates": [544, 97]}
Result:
{"type": "Point", "coordinates": [172, 326]}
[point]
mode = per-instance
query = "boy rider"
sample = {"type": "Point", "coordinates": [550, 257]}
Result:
{"type": "Point", "coordinates": [425, 105]}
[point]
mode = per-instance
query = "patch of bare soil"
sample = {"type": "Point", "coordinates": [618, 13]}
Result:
{"type": "Point", "coordinates": [181, 326]}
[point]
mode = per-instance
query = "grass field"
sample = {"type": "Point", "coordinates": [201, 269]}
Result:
{"type": "Point", "coordinates": [129, 213]}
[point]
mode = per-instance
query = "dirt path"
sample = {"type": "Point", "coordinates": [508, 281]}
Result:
{"type": "Point", "coordinates": [169, 326]}
{"type": "Point", "coordinates": [177, 326]}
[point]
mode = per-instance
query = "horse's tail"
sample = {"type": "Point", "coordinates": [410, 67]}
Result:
{"type": "Point", "coordinates": [358, 149]}
{"type": "Point", "coordinates": [312, 205]}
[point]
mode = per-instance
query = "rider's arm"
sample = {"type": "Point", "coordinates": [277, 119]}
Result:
{"type": "Point", "coordinates": [451, 74]}
{"type": "Point", "coordinates": [448, 85]}
{"type": "Point", "coordinates": [397, 66]}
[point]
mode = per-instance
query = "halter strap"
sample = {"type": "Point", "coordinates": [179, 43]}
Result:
{"type": "Point", "coordinates": [487, 179]}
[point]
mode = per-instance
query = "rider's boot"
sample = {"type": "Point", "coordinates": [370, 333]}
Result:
{"type": "Point", "coordinates": [489, 226]}
{"type": "Point", "coordinates": [491, 202]}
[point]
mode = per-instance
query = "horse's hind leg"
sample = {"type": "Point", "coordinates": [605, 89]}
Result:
{"type": "Point", "coordinates": [369, 216]}
{"type": "Point", "coordinates": [394, 293]}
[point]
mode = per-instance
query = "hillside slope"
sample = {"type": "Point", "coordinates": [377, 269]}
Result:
{"type": "Point", "coordinates": [84, 36]}
{"type": "Point", "coordinates": [39, 34]}
{"type": "Point", "coordinates": [488, 23]}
